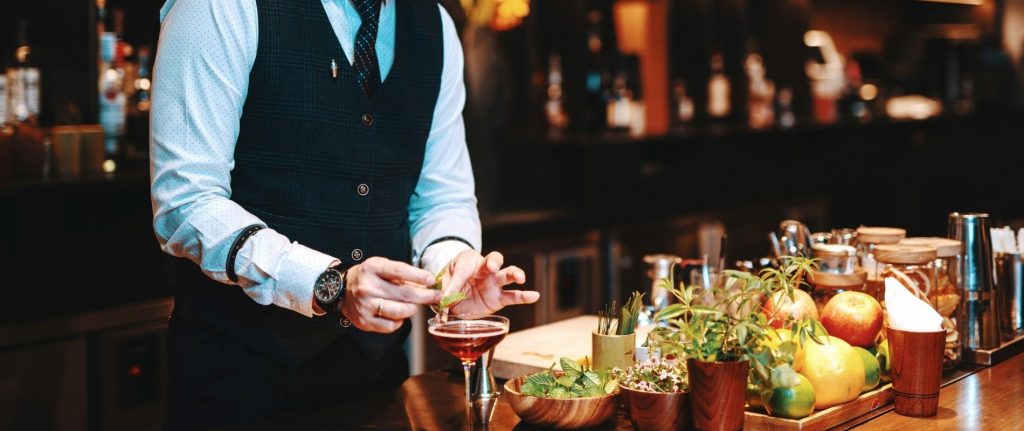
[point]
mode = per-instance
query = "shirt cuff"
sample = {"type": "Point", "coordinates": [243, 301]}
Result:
{"type": "Point", "coordinates": [296, 276]}
{"type": "Point", "coordinates": [437, 256]}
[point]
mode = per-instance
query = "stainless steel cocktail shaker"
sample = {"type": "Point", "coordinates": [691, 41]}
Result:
{"type": "Point", "coordinates": [980, 322]}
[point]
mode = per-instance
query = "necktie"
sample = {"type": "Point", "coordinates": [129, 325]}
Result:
{"type": "Point", "coordinates": [365, 63]}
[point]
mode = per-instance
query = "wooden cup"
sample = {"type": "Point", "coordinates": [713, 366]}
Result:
{"type": "Point", "coordinates": [916, 369]}
{"type": "Point", "coordinates": [718, 394]}
{"type": "Point", "coordinates": [658, 411]}
{"type": "Point", "coordinates": [611, 351]}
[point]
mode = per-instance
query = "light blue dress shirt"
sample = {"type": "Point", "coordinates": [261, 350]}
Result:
{"type": "Point", "coordinates": [205, 53]}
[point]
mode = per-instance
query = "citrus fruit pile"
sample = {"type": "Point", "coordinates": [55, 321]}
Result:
{"type": "Point", "coordinates": [846, 364]}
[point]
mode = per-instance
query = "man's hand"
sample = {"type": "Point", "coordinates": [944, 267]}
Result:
{"type": "Point", "coordinates": [381, 293]}
{"type": "Point", "coordinates": [482, 279]}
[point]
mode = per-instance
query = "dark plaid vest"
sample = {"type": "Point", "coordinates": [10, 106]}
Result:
{"type": "Point", "coordinates": [325, 166]}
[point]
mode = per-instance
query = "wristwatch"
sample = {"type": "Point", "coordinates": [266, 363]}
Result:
{"type": "Point", "coordinates": [329, 289]}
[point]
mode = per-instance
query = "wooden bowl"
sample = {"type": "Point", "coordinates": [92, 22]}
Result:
{"type": "Point", "coordinates": [560, 413]}
{"type": "Point", "coordinates": [658, 411]}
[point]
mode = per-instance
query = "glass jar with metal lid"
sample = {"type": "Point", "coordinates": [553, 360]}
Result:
{"type": "Point", "coordinates": [946, 295]}
{"type": "Point", "coordinates": [867, 239]}
{"type": "Point", "coordinates": [835, 258]}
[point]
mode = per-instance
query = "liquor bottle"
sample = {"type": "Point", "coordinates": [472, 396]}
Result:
{"type": "Point", "coordinates": [620, 105]}
{"type": "Point", "coordinates": [718, 89]}
{"type": "Point", "coordinates": [4, 90]}
{"type": "Point", "coordinates": [23, 80]}
{"type": "Point", "coordinates": [682, 102]}
{"type": "Point", "coordinates": [597, 76]}
{"type": "Point", "coordinates": [554, 108]}
{"type": "Point", "coordinates": [112, 97]}
{"type": "Point", "coordinates": [760, 93]}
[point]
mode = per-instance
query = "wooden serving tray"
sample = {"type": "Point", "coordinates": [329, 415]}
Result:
{"type": "Point", "coordinates": [823, 419]}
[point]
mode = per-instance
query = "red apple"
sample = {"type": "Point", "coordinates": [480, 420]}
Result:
{"type": "Point", "coordinates": [854, 317]}
{"type": "Point", "coordinates": [780, 306]}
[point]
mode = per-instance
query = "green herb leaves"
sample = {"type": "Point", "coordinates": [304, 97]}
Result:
{"type": "Point", "coordinates": [611, 321]}
{"type": "Point", "coordinates": [451, 299]}
{"type": "Point", "coordinates": [575, 381]}
{"type": "Point", "coordinates": [448, 300]}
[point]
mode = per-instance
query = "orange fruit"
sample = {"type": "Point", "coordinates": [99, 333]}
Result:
{"type": "Point", "coordinates": [835, 371]}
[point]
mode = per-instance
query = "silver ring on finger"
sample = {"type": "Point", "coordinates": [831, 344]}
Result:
{"type": "Point", "coordinates": [380, 308]}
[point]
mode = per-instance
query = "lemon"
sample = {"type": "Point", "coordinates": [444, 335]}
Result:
{"type": "Point", "coordinates": [795, 402]}
{"type": "Point", "coordinates": [835, 370]}
{"type": "Point", "coordinates": [778, 336]}
{"type": "Point", "coordinates": [872, 370]}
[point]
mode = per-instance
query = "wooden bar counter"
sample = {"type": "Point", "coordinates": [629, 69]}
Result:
{"type": "Point", "coordinates": [989, 399]}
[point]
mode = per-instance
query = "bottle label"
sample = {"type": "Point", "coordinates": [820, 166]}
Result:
{"type": "Point", "coordinates": [18, 110]}
{"type": "Point", "coordinates": [31, 77]}
{"type": "Point", "coordinates": [3, 99]}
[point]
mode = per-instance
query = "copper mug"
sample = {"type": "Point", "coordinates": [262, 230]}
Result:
{"type": "Point", "coordinates": [916, 368]}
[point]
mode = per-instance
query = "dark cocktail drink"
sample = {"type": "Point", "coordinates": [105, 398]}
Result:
{"type": "Point", "coordinates": [468, 339]}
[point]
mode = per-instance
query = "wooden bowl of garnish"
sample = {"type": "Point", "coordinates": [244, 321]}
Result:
{"type": "Point", "coordinates": [588, 410]}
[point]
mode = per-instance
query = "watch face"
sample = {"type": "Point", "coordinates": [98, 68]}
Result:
{"type": "Point", "coordinates": [327, 286]}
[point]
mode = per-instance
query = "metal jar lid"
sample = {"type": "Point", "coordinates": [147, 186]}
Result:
{"type": "Point", "coordinates": [905, 254]}
{"type": "Point", "coordinates": [880, 235]}
{"type": "Point", "coordinates": [945, 247]}
{"type": "Point", "coordinates": [834, 250]}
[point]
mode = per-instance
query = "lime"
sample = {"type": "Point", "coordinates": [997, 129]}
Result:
{"type": "Point", "coordinates": [872, 370]}
{"type": "Point", "coordinates": [795, 402]}
{"type": "Point", "coordinates": [882, 355]}
{"type": "Point", "coordinates": [754, 397]}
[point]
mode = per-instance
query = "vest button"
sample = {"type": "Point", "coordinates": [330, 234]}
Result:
{"type": "Point", "coordinates": [362, 190]}
{"type": "Point", "coordinates": [357, 255]}
{"type": "Point", "coordinates": [344, 322]}
{"type": "Point", "coordinates": [367, 120]}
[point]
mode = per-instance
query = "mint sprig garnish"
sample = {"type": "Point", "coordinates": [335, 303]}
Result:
{"type": "Point", "coordinates": [451, 299]}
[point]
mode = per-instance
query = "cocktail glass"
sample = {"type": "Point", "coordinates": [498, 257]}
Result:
{"type": "Point", "coordinates": [467, 338]}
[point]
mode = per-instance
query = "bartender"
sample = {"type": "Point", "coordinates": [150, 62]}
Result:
{"type": "Point", "coordinates": [309, 177]}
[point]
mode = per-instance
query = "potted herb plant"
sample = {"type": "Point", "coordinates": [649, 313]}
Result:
{"type": "Point", "coordinates": [614, 341]}
{"type": "Point", "coordinates": [728, 337]}
{"type": "Point", "coordinates": [656, 396]}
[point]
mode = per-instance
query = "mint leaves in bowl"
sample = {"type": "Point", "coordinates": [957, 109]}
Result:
{"type": "Point", "coordinates": [574, 398]}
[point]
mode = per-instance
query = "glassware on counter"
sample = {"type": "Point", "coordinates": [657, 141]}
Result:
{"type": "Point", "coordinates": [867, 239]}
{"type": "Point", "coordinates": [912, 265]}
{"type": "Point", "coordinates": [945, 296]}
{"type": "Point", "coordinates": [467, 338]}
{"type": "Point", "coordinates": [835, 258]}
{"type": "Point", "coordinates": [825, 285]}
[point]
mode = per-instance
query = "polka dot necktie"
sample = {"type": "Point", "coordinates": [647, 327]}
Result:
{"type": "Point", "coordinates": [365, 62]}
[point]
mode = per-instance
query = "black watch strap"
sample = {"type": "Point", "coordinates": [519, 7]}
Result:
{"type": "Point", "coordinates": [331, 306]}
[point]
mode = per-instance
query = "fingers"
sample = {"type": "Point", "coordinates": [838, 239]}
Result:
{"type": "Point", "coordinates": [462, 268]}
{"type": "Point", "coordinates": [377, 324]}
{"type": "Point", "coordinates": [392, 310]}
{"type": "Point", "coordinates": [399, 271]}
{"type": "Point", "coordinates": [511, 275]}
{"type": "Point", "coordinates": [516, 297]}
{"type": "Point", "coordinates": [492, 263]}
